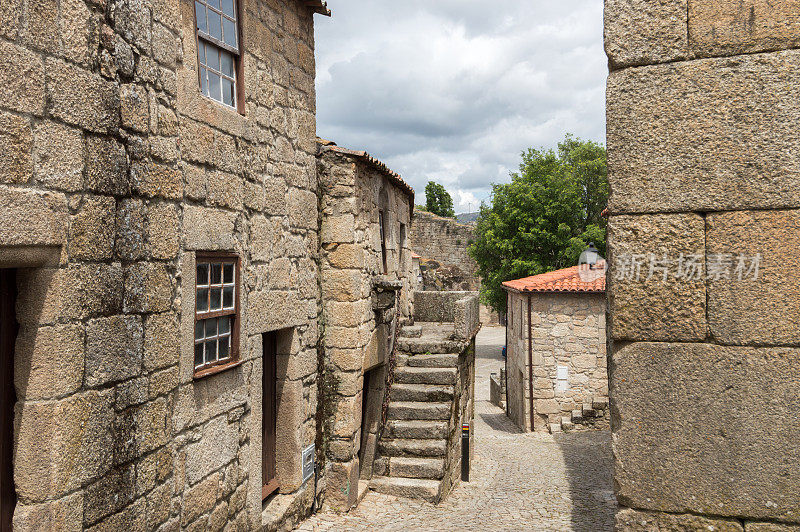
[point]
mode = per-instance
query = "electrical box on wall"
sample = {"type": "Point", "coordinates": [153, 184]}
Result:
{"type": "Point", "coordinates": [308, 460]}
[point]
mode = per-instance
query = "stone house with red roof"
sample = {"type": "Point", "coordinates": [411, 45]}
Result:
{"type": "Point", "coordinates": [556, 349]}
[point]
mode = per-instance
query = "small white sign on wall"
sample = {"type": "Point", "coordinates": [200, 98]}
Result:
{"type": "Point", "coordinates": [562, 373]}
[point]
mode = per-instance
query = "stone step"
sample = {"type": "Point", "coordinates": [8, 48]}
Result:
{"type": "Point", "coordinates": [408, 410]}
{"type": "Point", "coordinates": [409, 375]}
{"type": "Point", "coordinates": [600, 403]}
{"type": "Point", "coordinates": [421, 392]}
{"type": "Point", "coordinates": [421, 430]}
{"type": "Point", "coordinates": [428, 345]}
{"type": "Point", "coordinates": [411, 331]}
{"type": "Point", "coordinates": [411, 488]}
{"type": "Point", "coordinates": [408, 447]}
{"type": "Point", "coordinates": [566, 423]}
{"type": "Point", "coordinates": [404, 466]}
{"type": "Point", "coordinates": [442, 360]}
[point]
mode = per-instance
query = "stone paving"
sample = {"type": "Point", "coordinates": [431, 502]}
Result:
{"type": "Point", "coordinates": [518, 481]}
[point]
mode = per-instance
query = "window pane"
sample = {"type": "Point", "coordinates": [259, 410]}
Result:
{"type": "Point", "coordinates": [211, 328]}
{"type": "Point", "coordinates": [211, 351]}
{"type": "Point", "coordinates": [200, 10]}
{"type": "Point", "coordinates": [199, 330]}
{"type": "Point", "coordinates": [215, 25]}
{"type": "Point", "coordinates": [229, 29]}
{"type": "Point", "coordinates": [227, 8]}
{"type": "Point", "coordinates": [216, 299]}
{"type": "Point", "coordinates": [227, 92]}
{"type": "Point", "coordinates": [224, 325]}
{"type": "Point", "coordinates": [198, 354]}
{"type": "Point", "coordinates": [227, 297]}
{"type": "Point", "coordinates": [227, 275]}
{"type": "Point", "coordinates": [202, 274]}
{"type": "Point", "coordinates": [224, 347]}
{"type": "Point", "coordinates": [216, 274]}
{"type": "Point", "coordinates": [201, 51]}
{"type": "Point", "coordinates": [202, 300]}
{"type": "Point", "coordinates": [213, 86]}
{"type": "Point", "coordinates": [227, 63]}
{"type": "Point", "coordinates": [213, 3]}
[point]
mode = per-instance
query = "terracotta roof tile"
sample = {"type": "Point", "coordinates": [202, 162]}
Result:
{"type": "Point", "coordinates": [566, 280]}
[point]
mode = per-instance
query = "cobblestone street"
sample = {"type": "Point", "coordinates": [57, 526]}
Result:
{"type": "Point", "coordinates": [518, 481]}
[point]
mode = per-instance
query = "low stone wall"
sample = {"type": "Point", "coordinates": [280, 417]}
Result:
{"type": "Point", "coordinates": [445, 241]}
{"type": "Point", "coordinates": [464, 403]}
{"type": "Point", "coordinates": [437, 306]}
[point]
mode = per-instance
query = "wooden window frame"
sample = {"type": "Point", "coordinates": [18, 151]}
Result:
{"type": "Point", "coordinates": [233, 359]}
{"type": "Point", "coordinates": [237, 52]}
{"type": "Point", "coordinates": [269, 387]}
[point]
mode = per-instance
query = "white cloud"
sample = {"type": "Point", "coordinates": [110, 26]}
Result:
{"type": "Point", "coordinates": [454, 90]}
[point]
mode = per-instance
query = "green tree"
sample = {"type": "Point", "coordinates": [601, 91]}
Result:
{"type": "Point", "coordinates": [438, 200]}
{"type": "Point", "coordinates": [544, 218]}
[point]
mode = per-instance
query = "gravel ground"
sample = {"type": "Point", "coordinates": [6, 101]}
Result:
{"type": "Point", "coordinates": [518, 481]}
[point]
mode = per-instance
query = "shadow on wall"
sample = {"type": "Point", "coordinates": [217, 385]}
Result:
{"type": "Point", "coordinates": [589, 463]}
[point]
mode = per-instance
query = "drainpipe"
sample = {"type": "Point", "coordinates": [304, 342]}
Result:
{"type": "Point", "coordinates": [530, 359]}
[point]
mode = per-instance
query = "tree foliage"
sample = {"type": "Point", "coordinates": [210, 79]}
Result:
{"type": "Point", "coordinates": [438, 200]}
{"type": "Point", "coordinates": [544, 218]}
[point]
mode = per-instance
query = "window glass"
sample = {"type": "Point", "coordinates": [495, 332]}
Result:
{"type": "Point", "coordinates": [218, 49]}
{"type": "Point", "coordinates": [216, 312]}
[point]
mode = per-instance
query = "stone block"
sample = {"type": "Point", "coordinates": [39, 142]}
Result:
{"type": "Point", "coordinates": [22, 84]}
{"type": "Point", "coordinates": [149, 287]}
{"type": "Point", "coordinates": [78, 31]}
{"type": "Point", "coordinates": [161, 341]}
{"type": "Point", "coordinates": [702, 165]}
{"type": "Point", "coordinates": [106, 166]}
{"type": "Point", "coordinates": [640, 32]}
{"type": "Point", "coordinates": [67, 87]}
{"type": "Point", "coordinates": [152, 425]}
{"type": "Point", "coordinates": [11, 19]}
{"type": "Point", "coordinates": [134, 108]}
{"type": "Point", "coordinates": [62, 445]}
{"type": "Point", "coordinates": [644, 303]}
{"type": "Point", "coordinates": [16, 142]}
{"type": "Point", "coordinates": [770, 527]}
{"type": "Point", "coordinates": [49, 361]}
{"type": "Point", "coordinates": [110, 494]}
{"type": "Point", "coordinates": [271, 310]}
{"type": "Point", "coordinates": [303, 210]}
{"type": "Point", "coordinates": [224, 189]}
{"type": "Point", "coordinates": [732, 27]}
{"type": "Point", "coordinates": [637, 521]}
{"type": "Point", "coordinates": [342, 285]}
{"type": "Point", "coordinates": [157, 180]}
{"type": "Point", "coordinates": [746, 306]}
{"type": "Point", "coordinates": [113, 349]}
{"type": "Point", "coordinates": [216, 448]}
{"type": "Point", "coordinates": [30, 218]}
{"type": "Point", "coordinates": [163, 231]}
{"type": "Point", "coordinates": [64, 515]}
{"type": "Point", "coordinates": [715, 424]}
{"type": "Point", "coordinates": [87, 290]}
{"type": "Point", "coordinates": [208, 229]}
{"type": "Point", "coordinates": [338, 229]}
{"type": "Point", "coordinates": [91, 231]}
{"type": "Point", "coordinates": [59, 156]}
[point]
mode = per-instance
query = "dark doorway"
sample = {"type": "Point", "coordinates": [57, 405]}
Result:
{"type": "Point", "coordinates": [365, 397]}
{"type": "Point", "coordinates": [269, 414]}
{"type": "Point", "coordinates": [8, 396]}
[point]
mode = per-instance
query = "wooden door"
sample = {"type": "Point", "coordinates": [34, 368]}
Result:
{"type": "Point", "coordinates": [8, 333]}
{"type": "Point", "coordinates": [269, 415]}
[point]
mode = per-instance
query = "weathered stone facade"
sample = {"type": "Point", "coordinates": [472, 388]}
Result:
{"type": "Point", "coordinates": [115, 172]}
{"type": "Point", "coordinates": [366, 286]}
{"type": "Point", "coordinates": [567, 346]}
{"type": "Point", "coordinates": [702, 153]}
{"type": "Point", "coordinates": [445, 241]}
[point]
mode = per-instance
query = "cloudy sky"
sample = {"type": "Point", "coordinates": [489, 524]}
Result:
{"type": "Point", "coordinates": [453, 90]}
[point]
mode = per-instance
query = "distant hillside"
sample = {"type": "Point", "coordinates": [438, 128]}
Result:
{"type": "Point", "coordinates": [467, 217]}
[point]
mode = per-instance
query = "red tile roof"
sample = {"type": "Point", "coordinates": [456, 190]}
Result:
{"type": "Point", "coordinates": [566, 280]}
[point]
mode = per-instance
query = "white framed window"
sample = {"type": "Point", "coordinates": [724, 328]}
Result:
{"type": "Point", "coordinates": [219, 51]}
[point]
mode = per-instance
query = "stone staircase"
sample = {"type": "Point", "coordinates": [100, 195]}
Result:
{"type": "Point", "coordinates": [592, 414]}
{"type": "Point", "coordinates": [423, 415]}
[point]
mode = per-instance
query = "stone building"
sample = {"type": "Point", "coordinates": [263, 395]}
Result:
{"type": "Point", "coordinates": [159, 247]}
{"type": "Point", "coordinates": [444, 241]}
{"type": "Point", "coordinates": [702, 105]}
{"type": "Point", "coordinates": [366, 277]}
{"type": "Point", "coordinates": [556, 349]}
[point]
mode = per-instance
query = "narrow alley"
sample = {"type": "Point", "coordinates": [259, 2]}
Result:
{"type": "Point", "coordinates": [518, 481]}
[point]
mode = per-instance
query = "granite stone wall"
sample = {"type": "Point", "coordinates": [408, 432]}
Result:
{"type": "Point", "coordinates": [362, 306]}
{"type": "Point", "coordinates": [114, 172]}
{"type": "Point", "coordinates": [702, 101]}
{"type": "Point", "coordinates": [568, 331]}
{"type": "Point", "coordinates": [445, 241]}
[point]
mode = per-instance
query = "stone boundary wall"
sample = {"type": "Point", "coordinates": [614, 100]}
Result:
{"type": "Point", "coordinates": [702, 106]}
{"type": "Point", "coordinates": [445, 241]}
{"type": "Point", "coordinates": [438, 306]}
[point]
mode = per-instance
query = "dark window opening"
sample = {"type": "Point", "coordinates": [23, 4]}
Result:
{"type": "Point", "coordinates": [8, 397]}
{"type": "Point", "coordinates": [402, 246]}
{"type": "Point", "coordinates": [383, 240]}
{"type": "Point", "coordinates": [216, 325]}
{"type": "Point", "coordinates": [269, 415]}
